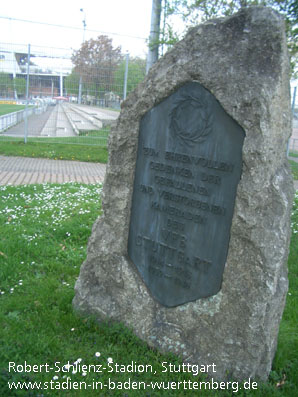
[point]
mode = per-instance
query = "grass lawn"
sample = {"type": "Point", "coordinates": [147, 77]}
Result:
{"type": "Point", "coordinates": [5, 108]}
{"type": "Point", "coordinates": [44, 231]}
{"type": "Point", "coordinates": [103, 133]}
{"type": "Point", "coordinates": [294, 167]}
{"type": "Point", "coordinates": [293, 154]}
{"type": "Point", "coordinates": [88, 146]}
{"type": "Point", "coordinates": [93, 153]}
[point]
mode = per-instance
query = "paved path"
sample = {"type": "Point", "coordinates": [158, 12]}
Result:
{"type": "Point", "coordinates": [24, 170]}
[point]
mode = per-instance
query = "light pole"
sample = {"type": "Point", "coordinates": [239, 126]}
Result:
{"type": "Point", "coordinates": [84, 24]}
{"type": "Point", "coordinates": [80, 82]}
{"type": "Point", "coordinates": [154, 34]}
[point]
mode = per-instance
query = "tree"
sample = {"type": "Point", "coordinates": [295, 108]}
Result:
{"type": "Point", "coordinates": [192, 12]}
{"type": "Point", "coordinates": [5, 85]}
{"type": "Point", "coordinates": [71, 83]}
{"type": "Point", "coordinates": [19, 85]}
{"type": "Point", "coordinates": [95, 62]}
{"type": "Point", "coordinates": [136, 73]}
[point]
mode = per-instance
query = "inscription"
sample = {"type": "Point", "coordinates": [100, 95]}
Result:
{"type": "Point", "coordinates": [190, 202]}
{"type": "Point", "coordinates": [148, 151]}
{"type": "Point", "coordinates": [194, 262]}
{"type": "Point", "coordinates": [187, 170]}
{"type": "Point", "coordinates": [176, 280]}
{"type": "Point", "coordinates": [180, 185]}
{"type": "Point", "coordinates": [174, 238]}
{"type": "Point", "coordinates": [169, 269]}
{"type": "Point", "coordinates": [184, 264]}
{"type": "Point", "coordinates": [146, 189]}
{"type": "Point", "coordinates": [199, 161]}
{"type": "Point", "coordinates": [211, 178]}
{"type": "Point", "coordinates": [156, 246]}
{"type": "Point", "coordinates": [169, 169]}
{"type": "Point", "coordinates": [174, 225]}
{"type": "Point", "coordinates": [177, 212]}
{"type": "Point", "coordinates": [182, 271]}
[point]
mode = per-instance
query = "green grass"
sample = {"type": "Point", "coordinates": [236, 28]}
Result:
{"type": "Point", "coordinates": [44, 231]}
{"type": "Point", "coordinates": [59, 151]}
{"type": "Point", "coordinates": [293, 154]}
{"type": "Point", "coordinates": [294, 167]}
{"type": "Point", "coordinates": [88, 146]}
{"type": "Point", "coordinates": [286, 358]}
{"type": "Point", "coordinates": [5, 108]}
{"type": "Point", "coordinates": [102, 133]}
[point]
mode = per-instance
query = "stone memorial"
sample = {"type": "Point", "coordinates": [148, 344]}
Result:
{"type": "Point", "coordinates": [188, 167]}
{"type": "Point", "coordinates": [191, 249]}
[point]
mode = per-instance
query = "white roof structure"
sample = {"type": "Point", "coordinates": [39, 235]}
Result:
{"type": "Point", "coordinates": [8, 62]}
{"type": "Point", "coordinates": [14, 58]}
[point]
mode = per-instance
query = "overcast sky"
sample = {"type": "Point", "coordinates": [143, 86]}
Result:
{"type": "Point", "coordinates": [127, 22]}
{"type": "Point", "coordinates": [116, 18]}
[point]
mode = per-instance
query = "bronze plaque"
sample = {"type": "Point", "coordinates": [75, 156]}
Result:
{"type": "Point", "coordinates": [188, 167]}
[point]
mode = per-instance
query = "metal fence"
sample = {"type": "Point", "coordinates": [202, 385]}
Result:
{"type": "Point", "coordinates": [70, 96]}
{"type": "Point", "coordinates": [63, 95]}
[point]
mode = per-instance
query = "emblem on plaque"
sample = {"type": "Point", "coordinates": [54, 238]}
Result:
{"type": "Point", "coordinates": [191, 120]}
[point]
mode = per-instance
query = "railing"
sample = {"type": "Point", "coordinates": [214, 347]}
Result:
{"type": "Point", "coordinates": [83, 99]}
{"type": "Point", "coordinates": [11, 119]}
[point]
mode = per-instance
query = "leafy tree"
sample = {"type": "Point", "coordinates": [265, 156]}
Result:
{"type": "Point", "coordinates": [71, 83]}
{"type": "Point", "coordinates": [19, 85]}
{"type": "Point", "coordinates": [136, 73]}
{"type": "Point", "coordinates": [192, 12]}
{"type": "Point", "coordinates": [95, 62]}
{"type": "Point", "coordinates": [5, 84]}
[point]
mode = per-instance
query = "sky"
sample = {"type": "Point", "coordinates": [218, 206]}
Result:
{"type": "Point", "coordinates": [127, 22]}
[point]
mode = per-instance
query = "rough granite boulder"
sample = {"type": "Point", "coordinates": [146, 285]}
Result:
{"type": "Point", "coordinates": [242, 60]}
